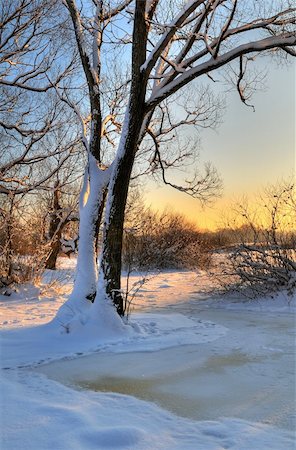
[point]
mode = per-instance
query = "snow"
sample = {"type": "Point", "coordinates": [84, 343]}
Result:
{"type": "Point", "coordinates": [194, 373]}
{"type": "Point", "coordinates": [178, 20]}
{"type": "Point", "coordinates": [116, 163]}
{"type": "Point", "coordinates": [91, 196]}
{"type": "Point", "coordinates": [144, 332]}
{"type": "Point", "coordinates": [42, 414]}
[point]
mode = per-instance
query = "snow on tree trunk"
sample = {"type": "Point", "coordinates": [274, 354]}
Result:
{"type": "Point", "coordinates": [92, 199]}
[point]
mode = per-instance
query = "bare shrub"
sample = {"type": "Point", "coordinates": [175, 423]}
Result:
{"type": "Point", "coordinates": [20, 243]}
{"type": "Point", "coordinates": [264, 261]}
{"type": "Point", "coordinates": [156, 241]}
{"type": "Point", "coordinates": [163, 241]}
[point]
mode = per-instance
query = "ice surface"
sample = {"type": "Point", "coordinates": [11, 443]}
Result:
{"type": "Point", "coordinates": [248, 372]}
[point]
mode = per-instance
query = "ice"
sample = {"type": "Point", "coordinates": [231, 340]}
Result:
{"type": "Point", "coordinates": [234, 375]}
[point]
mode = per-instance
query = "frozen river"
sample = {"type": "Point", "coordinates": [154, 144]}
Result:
{"type": "Point", "coordinates": [224, 367]}
{"type": "Point", "coordinates": [248, 373]}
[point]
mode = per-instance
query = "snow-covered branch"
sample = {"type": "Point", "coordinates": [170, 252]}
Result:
{"type": "Point", "coordinates": [171, 29]}
{"type": "Point", "coordinates": [216, 62]}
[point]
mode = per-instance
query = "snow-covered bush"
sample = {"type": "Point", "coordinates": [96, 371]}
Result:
{"type": "Point", "coordinates": [264, 261]}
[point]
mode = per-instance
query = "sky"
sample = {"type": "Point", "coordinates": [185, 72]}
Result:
{"type": "Point", "coordinates": [249, 149]}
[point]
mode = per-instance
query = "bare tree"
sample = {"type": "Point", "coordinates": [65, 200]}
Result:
{"type": "Point", "coordinates": [168, 46]}
{"type": "Point", "coordinates": [31, 66]}
{"type": "Point", "coordinates": [169, 49]}
{"type": "Point", "coordinates": [199, 40]}
{"type": "Point", "coordinates": [35, 143]}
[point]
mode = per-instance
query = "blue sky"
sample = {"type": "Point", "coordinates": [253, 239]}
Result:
{"type": "Point", "coordinates": [250, 149]}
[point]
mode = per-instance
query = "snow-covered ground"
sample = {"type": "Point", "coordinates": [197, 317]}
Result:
{"type": "Point", "coordinates": [191, 371]}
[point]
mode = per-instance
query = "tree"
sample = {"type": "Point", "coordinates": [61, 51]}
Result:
{"type": "Point", "coordinates": [36, 144]}
{"type": "Point", "coordinates": [170, 45]}
{"type": "Point", "coordinates": [30, 67]}
{"type": "Point", "coordinates": [202, 48]}
{"type": "Point", "coordinates": [61, 207]}
{"type": "Point", "coordinates": [166, 56]}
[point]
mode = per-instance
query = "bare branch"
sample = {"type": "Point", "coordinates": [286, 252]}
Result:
{"type": "Point", "coordinates": [214, 63]}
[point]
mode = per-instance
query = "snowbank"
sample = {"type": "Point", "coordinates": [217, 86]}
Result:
{"type": "Point", "coordinates": [41, 415]}
{"type": "Point", "coordinates": [144, 332]}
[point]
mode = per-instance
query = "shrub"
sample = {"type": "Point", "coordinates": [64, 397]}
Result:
{"type": "Point", "coordinates": [265, 259]}
{"type": "Point", "coordinates": [163, 241]}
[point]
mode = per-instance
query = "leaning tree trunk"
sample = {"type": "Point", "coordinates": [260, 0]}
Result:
{"type": "Point", "coordinates": [51, 260]}
{"type": "Point", "coordinates": [54, 232]}
{"type": "Point", "coordinates": [119, 183]}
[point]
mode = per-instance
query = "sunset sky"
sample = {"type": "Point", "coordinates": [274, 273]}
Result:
{"type": "Point", "coordinates": [250, 149]}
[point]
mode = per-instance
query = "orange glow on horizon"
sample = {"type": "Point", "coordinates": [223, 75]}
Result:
{"type": "Point", "coordinates": [221, 214]}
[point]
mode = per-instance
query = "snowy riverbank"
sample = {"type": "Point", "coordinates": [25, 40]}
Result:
{"type": "Point", "coordinates": [220, 373]}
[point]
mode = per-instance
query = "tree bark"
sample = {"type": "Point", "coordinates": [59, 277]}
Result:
{"type": "Point", "coordinates": [113, 232]}
{"type": "Point", "coordinates": [54, 232]}
{"type": "Point", "coordinates": [51, 261]}
{"type": "Point", "coordinates": [119, 184]}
